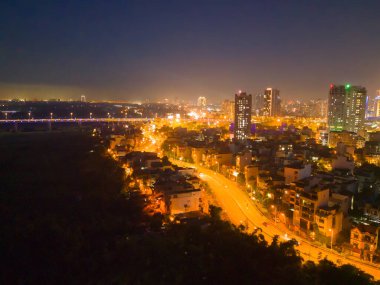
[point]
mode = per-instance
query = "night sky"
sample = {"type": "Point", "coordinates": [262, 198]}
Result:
{"type": "Point", "coordinates": [133, 50]}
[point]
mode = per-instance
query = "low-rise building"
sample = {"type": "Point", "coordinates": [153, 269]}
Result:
{"type": "Point", "coordinates": [343, 162]}
{"type": "Point", "coordinates": [197, 154]}
{"type": "Point", "coordinates": [294, 173]}
{"type": "Point", "coordinates": [216, 159]}
{"type": "Point", "coordinates": [284, 150]}
{"type": "Point", "coordinates": [323, 136]}
{"type": "Point", "coordinates": [178, 197]}
{"type": "Point", "coordinates": [180, 201]}
{"type": "Point", "coordinates": [120, 151]}
{"type": "Point", "coordinates": [329, 220]}
{"type": "Point", "coordinates": [117, 140]}
{"type": "Point", "coordinates": [344, 202]}
{"type": "Point", "coordinates": [293, 190]}
{"type": "Point", "coordinates": [306, 205]}
{"type": "Point", "coordinates": [251, 173]}
{"type": "Point", "coordinates": [372, 152]}
{"type": "Point", "coordinates": [372, 212]}
{"type": "Point", "coordinates": [374, 136]}
{"type": "Point", "coordinates": [242, 160]}
{"type": "Point", "coordinates": [183, 152]}
{"type": "Point", "coordinates": [153, 163]}
{"type": "Point", "coordinates": [186, 171]}
{"type": "Point", "coordinates": [364, 241]}
{"type": "Point", "coordinates": [347, 138]}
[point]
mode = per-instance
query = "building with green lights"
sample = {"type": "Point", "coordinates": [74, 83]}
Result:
{"type": "Point", "coordinates": [346, 109]}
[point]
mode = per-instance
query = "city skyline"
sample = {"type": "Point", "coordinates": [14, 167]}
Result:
{"type": "Point", "coordinates": [190, 142]}
{"type": "Point", "coordinates": [133, 51]}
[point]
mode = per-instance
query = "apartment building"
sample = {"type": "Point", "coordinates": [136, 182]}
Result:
{"type": "Point", "coordinates": [364, 241]}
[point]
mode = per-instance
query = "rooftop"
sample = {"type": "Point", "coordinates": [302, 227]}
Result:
{"type": "Point", "coordinates": [366, 229]}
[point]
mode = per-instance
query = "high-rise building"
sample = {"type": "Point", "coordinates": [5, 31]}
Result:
{"type": "Point", "coordinates": [320, 108]}
{"type": "Point", "coordinates": [228, 109]}
{"type": "Point", "coordinates": [258, 104]}
{"type": "Point", "coordinates": [324, 108]}
{"type": "Point", "coordinates": [376, 105]}
{"type": "Point", "coordinates": [346, 108]}
{"type": "Point", "coordinates": [243, 109]}
{"type": "Point", "coordinates": [202, 101]}
{"type": "Point", "coordinates": [83, 98]}
{"type": "Point", "coordinates": [272, 102]}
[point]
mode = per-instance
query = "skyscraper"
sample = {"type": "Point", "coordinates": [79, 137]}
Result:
{"type": "Point", "coordinates": [228, 109]}
{"type": "Point", "coordinates": [243, 108]}
{"type": "Point", "coordinates": [346, 108]}
{"type": "Point", "coordinates": [322, 108]}
{"type": "Point", "coordinates": [272, 102]}
{"type": "Point", "coordinates": [202, 102]}
{"type": "Point", "coordinates": [376, 104]}
{"type": "Point", "coordinates": [258, 104]}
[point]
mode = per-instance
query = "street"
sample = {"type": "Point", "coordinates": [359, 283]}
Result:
{"type": "Point", "coordinates": [241, 210]}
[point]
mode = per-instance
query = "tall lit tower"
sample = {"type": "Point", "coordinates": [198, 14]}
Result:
{"type": "Point", "coordinates": [272, 102]}
{"type": "Point", "coordinates": [243, 108]}
{"type": "Point", "coordinates": [228, 109]}
{"type": "Point", "coordinates": [376, 104]}
{"type": "Point", "coordinates": [258, 104]}
{"type": "Point", "coordinates": [202, 101]}
{"type": "Point", "coordinates": [346, 108]}
{"type": "Point", "coordinates": [83, 98]}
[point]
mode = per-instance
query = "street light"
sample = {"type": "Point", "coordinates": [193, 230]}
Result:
{"type": "Point", "coordinates": [71, 115]}
{"type": "Point", "coordinates": [29, 113]}
{"type": "Point", "coordinates": [6, 115]}
{"type": "Point", "coordinates": [90, 115]}
{"type": "Point", "coordinates": [108, 114]}
{"type": "Point", "coordinates": [332, 236]}
{"type": "Point", "coordinates": [51, 115]}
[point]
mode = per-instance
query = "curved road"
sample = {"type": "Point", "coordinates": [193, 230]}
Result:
{"type": "Point", "coordinates": [242, 210]}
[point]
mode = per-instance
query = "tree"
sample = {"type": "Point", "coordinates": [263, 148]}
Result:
{"type": "Point", "coordinates": [156, 221]}
{"type": "Point", "coordinates": [215, 212]}
{"type": "Point", "coordinates": [165, 161]}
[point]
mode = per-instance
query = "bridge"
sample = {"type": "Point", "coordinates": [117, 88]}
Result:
{"type": "Point", "coordinates": [75, 120]}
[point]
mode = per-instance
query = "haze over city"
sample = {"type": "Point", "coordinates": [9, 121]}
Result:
{"type": "Point", "coordinates": [137, 50]}
{"type": "Point", "coordinates": [190, 142]}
